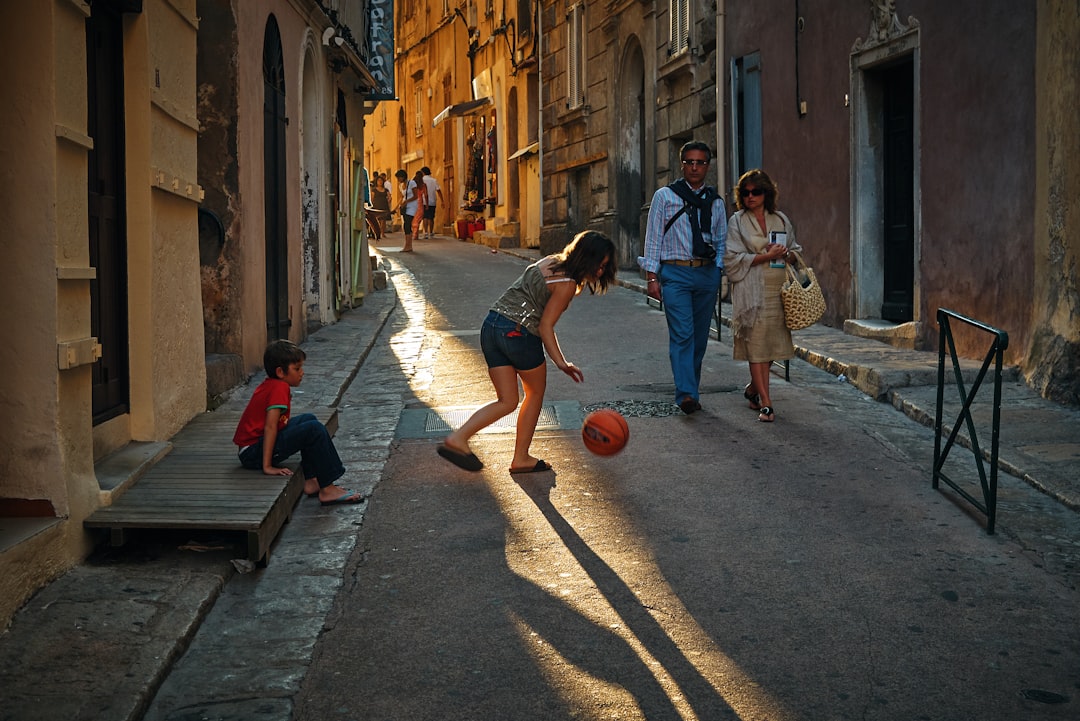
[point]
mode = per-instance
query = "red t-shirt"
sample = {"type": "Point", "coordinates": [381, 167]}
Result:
{"type": "Point", "coordinates": [271, 393]}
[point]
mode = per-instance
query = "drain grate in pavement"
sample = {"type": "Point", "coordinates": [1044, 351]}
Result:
{"type": "Point", "coordinates": [638, 409]}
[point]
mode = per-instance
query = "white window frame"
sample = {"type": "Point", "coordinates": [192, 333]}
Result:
{"type": "Point", "coordinates": [575, 56]}
{"type": "Point", "coordinates": [678, 27]}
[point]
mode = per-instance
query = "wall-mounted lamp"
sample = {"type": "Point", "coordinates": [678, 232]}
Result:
{"type": "Point", "coordinates": [331, 33]}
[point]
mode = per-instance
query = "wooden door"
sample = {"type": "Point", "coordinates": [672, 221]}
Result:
{"type": "Point", "coordinates": [899, 195]}
{"type": "Point", "coordinates": [106, 226]}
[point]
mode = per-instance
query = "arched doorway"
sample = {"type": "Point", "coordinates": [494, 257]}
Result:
{"type": "Point", "coordinates": [274, 196]}
{"type": "Point", "coordinates": [630, 160]}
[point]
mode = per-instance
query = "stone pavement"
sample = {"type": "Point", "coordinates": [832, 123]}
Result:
{"type": "Point", "coordinates": [108, 639]}
{"type": "Point", "coordinates": [1039, 439]}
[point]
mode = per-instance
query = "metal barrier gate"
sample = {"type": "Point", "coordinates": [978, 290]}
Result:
{"type": "Point", "coordinates": [989, 487]}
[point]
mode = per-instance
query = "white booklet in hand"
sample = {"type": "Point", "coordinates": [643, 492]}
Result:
{"type": "Point", "coordinates": [777, 236]}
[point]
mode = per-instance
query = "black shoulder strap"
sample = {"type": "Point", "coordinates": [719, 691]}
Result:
{"type": "Point", "coordinates": [672, 219]}
{"type": "Point", "coordinates": [690, 198]}
{"type": "Point", "coordinates": [701, 198]}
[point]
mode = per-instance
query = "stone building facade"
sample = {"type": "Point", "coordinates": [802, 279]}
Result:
{"type": "Point", "coordinates": [923, 165]}
{"type": "Point", "coordinates": [282, 95]}
{"type": "Point", "coordinates": [467, 107]}
{"type": "Point", "coordinates": [101, 193]}
{"type": "Point", "coordinates": [135, 191]}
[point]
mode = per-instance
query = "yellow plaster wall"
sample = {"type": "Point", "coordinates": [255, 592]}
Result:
{"type": "Point", "coordinates": [168, 374]}
{"type": "Point", "coordinates": [46, 411]}
{"type": "Point", "coordinates": [43, 146]}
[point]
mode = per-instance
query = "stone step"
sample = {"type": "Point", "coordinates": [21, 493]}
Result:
{"type": "Point", "coordinates": [119, 471]}
{"type": "Point", "coordinates": [495, 239]}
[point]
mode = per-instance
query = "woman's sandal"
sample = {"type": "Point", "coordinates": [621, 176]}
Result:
{"type": "Point", "coordinates": [754, 398]}
{"type": "Point", "coordinates": [766, 415]}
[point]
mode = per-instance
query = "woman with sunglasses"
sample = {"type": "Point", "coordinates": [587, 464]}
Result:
{"type": "Point", "coordinates": [756, 269]}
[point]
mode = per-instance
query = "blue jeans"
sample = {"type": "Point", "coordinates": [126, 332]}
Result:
{"type": "Point", "coordinates": [304, 433]}
{"type": "Point", "coordinates": [689, 303]}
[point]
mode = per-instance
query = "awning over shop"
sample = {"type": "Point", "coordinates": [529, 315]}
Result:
{"type": "Point", "coordinates": [530, 148]}
{"type": "Point", "coordinates": [469, 107]}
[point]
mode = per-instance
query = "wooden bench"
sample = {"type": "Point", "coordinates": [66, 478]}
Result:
{"type": "Point", "coordinates": [200, 485]}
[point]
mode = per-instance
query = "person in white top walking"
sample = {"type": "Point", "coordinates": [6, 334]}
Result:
{"type": "Point", "coordinates": [408, 207]}
{"type": "Point", "coordinates": [433, 189]}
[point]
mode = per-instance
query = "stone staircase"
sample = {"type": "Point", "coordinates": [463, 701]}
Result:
{"type": "Point", "coordinates": [505, 234]}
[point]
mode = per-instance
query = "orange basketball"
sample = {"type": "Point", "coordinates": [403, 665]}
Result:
{"type": "Point", "coordinates": [605, 432]}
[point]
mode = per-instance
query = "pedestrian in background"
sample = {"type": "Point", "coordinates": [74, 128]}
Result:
{"type": "Point", "coordinates": [519, 328]}
{"type": "Point", "coordinates": [684, 254]}
{"type": "Point", "coordinates": [380, 201]}
{"type": "Point", "coordinates": [433, 190]}
{"type": "Point", "coordinates": [421, 203]}
{"type": "Point", "coordinates": [757, 270]}
{"type": "Point", "coordinates": [406, 206]}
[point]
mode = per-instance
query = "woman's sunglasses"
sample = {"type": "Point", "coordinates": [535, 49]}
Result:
{"type": "Point", "coordinates": [752, 191]}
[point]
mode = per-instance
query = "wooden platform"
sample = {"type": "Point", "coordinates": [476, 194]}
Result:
{"type": "Point", "coordinates": [200, 485]}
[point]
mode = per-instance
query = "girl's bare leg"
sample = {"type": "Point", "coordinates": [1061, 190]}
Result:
{"type": "Point", "coordinates": [534, 383]}
{"type": "Point", "coordinates": [504, 378]}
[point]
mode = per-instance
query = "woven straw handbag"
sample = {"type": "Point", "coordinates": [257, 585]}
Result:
{"type": "Point", "coordinates": [803, 302]}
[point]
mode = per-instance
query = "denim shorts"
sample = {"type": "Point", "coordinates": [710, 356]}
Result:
{"type": "Point", "coordinates": [505, 343]}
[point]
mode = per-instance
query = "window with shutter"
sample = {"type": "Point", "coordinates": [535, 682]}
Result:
{"type": "Point", "coordinates": [575, 49]}
{"type": "Point", "coordinates": [746, 114]}
{"type": "Point", "coordinates": [678, 26]}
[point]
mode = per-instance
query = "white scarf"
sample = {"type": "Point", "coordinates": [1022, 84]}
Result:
{"type": "Point", "coordinates": [748, 280]}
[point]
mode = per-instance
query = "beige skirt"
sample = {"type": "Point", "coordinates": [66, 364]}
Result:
{"type": "Point", "coordinates": [769, 339]}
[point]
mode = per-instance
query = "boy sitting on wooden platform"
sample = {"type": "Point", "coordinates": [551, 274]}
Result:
{"type": "Point", "coordinates": [267, 436]}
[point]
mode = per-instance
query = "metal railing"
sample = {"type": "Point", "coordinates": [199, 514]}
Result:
{"type": "Point", "coordinates": [988, 505]}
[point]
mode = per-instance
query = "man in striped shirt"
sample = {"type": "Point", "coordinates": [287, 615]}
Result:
{"type": "Point", "coordinates": [684, 252]}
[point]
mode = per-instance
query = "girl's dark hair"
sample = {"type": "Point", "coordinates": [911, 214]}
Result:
{"type": "Point", "coordinates": [581, 260]}
{"type": "Point", "coordinates": [759, 179]}
{"type": "Point", "coordinates": [281, 354]}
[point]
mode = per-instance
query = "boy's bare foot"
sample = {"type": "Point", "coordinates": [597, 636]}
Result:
{"type": "Point", "coordinates": [311, 487]}
{"type": "Point", "coordinates": [333, 495]}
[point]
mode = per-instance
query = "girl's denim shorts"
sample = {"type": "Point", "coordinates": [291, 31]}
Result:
{"type": "Point", "coordinates": [505, 343]}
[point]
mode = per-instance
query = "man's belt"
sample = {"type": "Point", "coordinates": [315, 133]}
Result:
{"type": "Point", "coordinates": [693, 262]}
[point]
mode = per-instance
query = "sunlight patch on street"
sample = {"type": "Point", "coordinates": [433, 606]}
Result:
{"type": "Point", "coordinates": [610, 585]}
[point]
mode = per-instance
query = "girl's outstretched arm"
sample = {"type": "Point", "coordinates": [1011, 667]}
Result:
{"type": "Point", "coordinates": [561, 295]}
